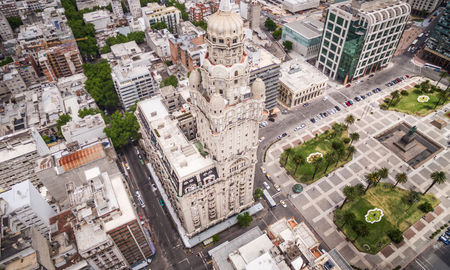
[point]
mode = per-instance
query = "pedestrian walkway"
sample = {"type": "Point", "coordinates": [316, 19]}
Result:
{"type": "Point", "coordinates": [318, 200]}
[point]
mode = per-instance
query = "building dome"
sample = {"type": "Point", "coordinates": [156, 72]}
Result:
{"type": "Point", "coordinates": [194, 79]}
{"type": "Point", "coordinates": [225, 22]}
{"type": "Point", "coordinates": [258, 89]}
{"type": "Point", "coordinates": [217, 102]}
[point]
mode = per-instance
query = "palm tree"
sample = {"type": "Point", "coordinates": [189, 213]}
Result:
{"type": "Point", "coordinates": [371, 179]}
{"type": "Point", "coordinates": [354, 137]}
{"type": "Point", "coordinates": [316, 163]}
{"type": "Point", "coordinates": [348, 218]}
{"type": "Point", "coordinates": [400, 178]}
{"type": "Point", "coordinates": [443, 75]}
{"type": "Point", "coordinates": [288, 152]}
{"type": "Point", "coordinates": [350, 193]}
{"type": "Point", "coordinates": [438, 178]}
{"type": "Point", "coordinates": [330, 158]}
{"type": "Point", "coordinates": [394, 95]}
{"type": "Point", "coordinates": [298, 159]}
{"type": "Point", "coordinates": [349, 120]}
{"type": "Point", "coordinates": [442, 95]}
{"type": "Point", "coordinates": [382, 174]}
{"type": "Point", "coordinates": [351, 150]}
{"type": "Point", "coordinates": [339, 154]}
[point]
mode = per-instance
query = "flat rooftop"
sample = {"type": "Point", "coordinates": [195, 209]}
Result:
{"type": "Point", "coordinates": [89, 236]}
{"type": "Point", "coordinates": [309, 28]}
{"type": "Point", "coordinates": [299, 75]}
{"type": "Point", "coordinates": [123, 49]}
{"type": "Point", "coordinates": [95, 15]}
{"type": "Point", "coordinates": [260, 57]}
{"type": "Point", "coordinates": [183, 156]}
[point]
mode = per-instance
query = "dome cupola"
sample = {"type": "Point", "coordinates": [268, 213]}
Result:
{"type": "Point", "coordinates": [224, 24]}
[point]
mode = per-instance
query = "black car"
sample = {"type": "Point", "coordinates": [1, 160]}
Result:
{"type": "Point", "coordinates": [272, 119]}
{"type": "Point", "coordinates": [305, 105]}
{"type": "Point", "coordinates": [357, 99]}
{"type": "Point", "coordinates": [325, 114]}
{"type": "Point", "coordinates": [337, 108]}
{"type": "Point", "coordinates": [312, 120]}
{"type": "Point", "coordinates": [363, 96]}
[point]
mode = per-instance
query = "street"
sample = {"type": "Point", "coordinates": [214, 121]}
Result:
{"type": "Point", "coordinates": [435, 257]}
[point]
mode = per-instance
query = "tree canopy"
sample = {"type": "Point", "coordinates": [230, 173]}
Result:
{"type": "Point", "coordinates": [202, 24]}
{"type": "Point", "coordinates": [88, 111]}
{"type": "Point", "coordinates": [6, 61]}
{"type": "Point", "coordinates": [15, 22]}
{"type": "Point", "coordinates": [277, 34]}
{"type": "Point", "coordinates": [270, 24]}
{"type": "Point", "coordinates": [123, 129]}
{"type": "Point", "coordinates": [159, 25]}
{"type": "Point", "coordinates": [138, 36]}
{"type": "Point", "coordinates": [171, 80]}
{"type": "Point", "coordinates": [287, 45]}
{"type": "Point", "coordinates": [62, 120]}
{"type": "Point", "coordinates": [244, 219]}
{"type": "Point", "coordinates": [99, 84]}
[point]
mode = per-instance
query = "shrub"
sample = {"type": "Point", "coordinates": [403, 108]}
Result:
{"type": "Point", "coordinates": [404, 93]}
{"type": "Point", "coordinates": [215, 238]}
{"type": "Point", "coordinates": [395, 235]}
{"type": "Point", "coordinates": [346, 140]}
{"type": "Point", "coordinates": [387, 100]}
{"type": "Point", "coordinates": [426, 207]}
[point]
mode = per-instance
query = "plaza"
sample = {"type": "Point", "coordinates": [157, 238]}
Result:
{"type": "Point", "coordinates": [318, 201]}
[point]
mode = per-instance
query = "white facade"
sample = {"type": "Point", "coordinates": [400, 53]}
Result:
{"type": "Point", "coordinates": [100, 19]}
{"type": "Point", "coordinates": [6, 32]}
{"type": "Point", "coordinates": [88, 129]}
{"type": "Point", "coordinates": [428, 5]}
{"type": "Point", "coordinates": [158, 41]}
{"type": "Point", "coordinates": [14, 82]}
{"type": "Point", "coordinates": [117, 8]}
{"type": "Point", "coordinates": [300, 82]}
{"type": "Point", "coordinates": [25, 207]}
{"type": "Point", "coordinates": [361, 37]}
{"type": "Point", "coordinates": [135, 8]}
{"type": "Point", "coordinates": [295, 6]}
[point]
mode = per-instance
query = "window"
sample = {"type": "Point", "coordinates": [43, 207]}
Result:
{"type": "Point", "coordinates": [332, 17]}
{"type": "Point", "coordinates": [340, 21]}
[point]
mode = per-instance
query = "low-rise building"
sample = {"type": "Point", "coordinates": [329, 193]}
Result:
{"type": "Point", "coordinates": [90, 128]}
{"type": "Point", "coordinates": [294, 6]}
{"type": "Point", "coordinates": [14, 82]}
{"type": "Point", "coordinates": [103, 24]}
{"type": "Point", "coordinates": [265, 66]}
{"type": "Point", "coordinates": [188, 49]}
{"type": "Point", "coordinates": [199, 12]}
{"type": "Point", "coordinates": [154, 12]}
{"type": "Point", "coordinates": [52, 103]}
{"type": "Point", "coordinates": [299, 83]}
{"type": "Point", "coordinates": [89, 4]}
{"type": "Point", "coordinates": [158, 41]}
{"type": "Point", "coordinates": [305, 36]}
{"type": "Point", "coordinates": [419, 6]}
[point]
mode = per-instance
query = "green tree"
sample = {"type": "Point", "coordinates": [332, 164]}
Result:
{"type": "Point", "coordinates": [383, 173]}
{"type": "Point", "coordinates": [88, 111]}
{"type": "Point", "coordinates": [330, 158]}
{"type": "Point", "coordinates": [105, 49]}
{"type": "Point", "coordinates": [395, 235]}
{"type": "Point", "coordinates": [317, 162]}
{"type": "Point", "coordinates": [124, 7]}
{"type": "Point", "coordinates": [46, 139]}
{"type": "Point", "coordinates": [122, 129]}
{"type": "Point", "coordinates": [350, 193]}
{"type": "Point", "coordinates": [62, 120]}
{"type": "Point", "coordinates": [438, 177]}
{"type": "Point", "coordinates": [394, 96]}
{"type": "Point", "coordinates": [426, 207]}
{"type": "Point", "coordinates": [349, 120]}
{"type": "Point", "coordinates": [257, 194]}
{"type": "Point", "coordinates": [298, 159]}
{"type": "Point", "coordinates": [245, 219]}
{"type": "Point", "coordinates": [287, 45]}
{"type": "Point", "coordinates": [346, 140]}
{"type": "Point", "coordinates": [360, 228]}
{"type": "Point", "coordinates": [270, 24]}
{"type": "Point", "coordinates": [354, 137]}
{"type": "Point", "coordinates": [277, 34]}
{"type": "Point", "coordinates": [171, 80]}
{"type": "Point", "coordinates": [411, 198]}
{"type": "Point", "coordinates": [137, 36]}
{"type": "Point", "coordinates": [337, 145]}
{"type": "Point", "coordinates": [443, 75]}
{"type": "Point", "coordinates": [159, 26]}
{"type": "Point", "coordinates": [100, 86]}
{"type": "Point", "coordinates": [201, 24]}
{"type": "Point", "coordinates": [371, 179]}
{"type": "Point", "coordinates": [350, 150]}
{"type": "Point", "coordinates": [215, 238]}
{"type": "Point", "coordinates": [15, 22]}
{"type": "Point", "coordinates": [404, 93]}
{"type": "Point", "coordinates": [400, 178]}
{"type": "Point", "coordinates": [288, 152]}
{"type": "Point", "coordinates": [340, 153]}
{"type": "Point", "coordinates": [169, 63]}
{"type": "Point", "coordinates": [442, 96]}
{"type": "Point", "coordinates": [348, 218]}
{"type": "Point", "coordinates": [6, 61]}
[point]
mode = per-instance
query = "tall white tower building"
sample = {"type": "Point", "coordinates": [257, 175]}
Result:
{"type": "Point", "coordinates": [135, 8]}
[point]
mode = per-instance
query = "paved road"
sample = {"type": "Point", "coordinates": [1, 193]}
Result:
{"type": "Point", "coordinates": [436, 256]}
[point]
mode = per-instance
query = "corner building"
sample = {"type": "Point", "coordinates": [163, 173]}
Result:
{"type": "Point", "coordinates": [360, 37]}
{"type": "Point", "coordinates": [228, 112]}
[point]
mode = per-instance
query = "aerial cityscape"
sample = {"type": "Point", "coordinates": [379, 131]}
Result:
{"type": "Point", "coordinates": [224, 134]}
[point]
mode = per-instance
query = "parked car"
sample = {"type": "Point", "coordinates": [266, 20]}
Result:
{"type": "Point", "coordinates": [161, 202]}
{"type": "Point", "coordinates": [371, 75]}
{"type": "Point", "coordinates": [284, 111]}
{"type": "Point", "coordinates": [312, 120]}
{"type": "Point", "coordinates": [407, 76]}
{"type": "Point", "coordinates": [271, 119]}
{"type": "Point", "coordinates": [126, 166]}
{"type": "Point", "coordinates": [363, 96]}
{"type": "Point", "coordinates": [266, 185]}
{"type": "Point", "coordinates": [154, 187]}
{"type": "Point", "coordinates": [398, 80]}
{"type": "Point", "coordinates": [283, 203]}
{"type": "Point", "coordinates": [261, 139]}
{"type": "Point", "coordinates": [263, 170]}
{"type": "Point", "coordinates": [347, 104]}
{"type": "Point", "coordinates": [302, 126]}
{"type": "Point", "coordinates": [268, 177]}
{"type": "Point", "coordinates": [337, 108]}
{"type": "Point", "coordinates": [325, 98]}
{"type": "Point", "coordinates": [351, 102]}
{"type": "Point", "coordinates": [277, 187]}
{"type": "Point", "coordinates": [325, 114]}
{"type": "Point", "coordinates": [369, 94]}
{"type": "Point", "coordinates": [357, 99]}
{"type": "Point", "coordinates": [281, 136]}
{"type": "Point", "coordinates": [348, 85]}
{"type": "Point", "coordinates": [445, 239]}
{"type": "Point", "coordinates": [305, 105]}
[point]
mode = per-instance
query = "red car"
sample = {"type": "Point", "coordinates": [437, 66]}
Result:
{"type": "Point", "coordinates": [407, 76]}
{"type": "Point", "coordinates": [347, 104]}
{"type": "Point", "coordinates": [398, 80]}
{"type": "Point", "coordinates": [348, 85]}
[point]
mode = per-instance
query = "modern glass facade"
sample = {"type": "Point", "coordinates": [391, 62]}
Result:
{"type": "Point", "coordinates": [437, 48]}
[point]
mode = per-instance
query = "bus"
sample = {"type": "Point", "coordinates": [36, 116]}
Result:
{"type": "Point", "coordinates": [269, 198]}
{"type": "Point", "coordinates": [414, 42]}
{"type": "Point", "coordinates": [433, 67]}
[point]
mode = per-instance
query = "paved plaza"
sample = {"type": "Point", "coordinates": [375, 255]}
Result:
{"type": "Point", "coordinates": [318, 200]}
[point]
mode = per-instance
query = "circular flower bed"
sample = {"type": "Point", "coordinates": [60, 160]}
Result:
{"type": "Point", "coordinates": [374, 215]}
{"type": "Point", "coordinates": [423, 98]}
{"type": "Point", "coordinates": [313, 156]}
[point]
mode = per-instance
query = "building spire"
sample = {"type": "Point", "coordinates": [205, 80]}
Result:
{"type": "Point", "coordinates": [225, 5]}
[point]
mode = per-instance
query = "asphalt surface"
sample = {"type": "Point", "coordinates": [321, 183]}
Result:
{"type": "Point", "coordinates": [436, 257]}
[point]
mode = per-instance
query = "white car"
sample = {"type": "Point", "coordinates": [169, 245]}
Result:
{"type": "Point", "coordinates": [325, 98]}
{"type": "Point", "coordinates": [283, 203]}
{"type": "Point", "coordinates": [263, 170]}
{"type": "Point", "coordinates": [266, 185]}
{"type": "Point", "coordinates": [261, 139]}
{"type": "Point", "coordinates": [277, 187]}
{"type": "Point", "coordinates": [154, 187]}
{"type": "Point", "coordinates": [302, 126]}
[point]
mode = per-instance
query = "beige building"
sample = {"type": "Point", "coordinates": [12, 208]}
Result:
{"type": "Point", "coordinates": [299, 83]}
{"type": "Point", "coordinates": [153, 13]}
{"type": "Point", "coordinates": [6, 32]}
{"type": "Point", "coordinates": [212, 179]}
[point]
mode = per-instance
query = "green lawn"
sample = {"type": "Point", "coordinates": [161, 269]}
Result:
{"type": "Point", "coordinates": [322, 144]}
{"type": "Point", "coordinates": [410, 105]}
{"type": "Point", "coordinates": [397, 215]}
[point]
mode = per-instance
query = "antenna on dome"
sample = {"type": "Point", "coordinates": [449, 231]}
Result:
{"type": "Point", "coordinates": [225, 5]}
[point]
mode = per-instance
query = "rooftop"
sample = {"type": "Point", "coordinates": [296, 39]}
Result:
{"type": "Point", "coordinates": [125, 49]}
{"type": "Point", "coordinates": [96, 15]}
{"type": "Point", "coordinates": [298, 75]}
{"type": "Point", "coordinates": [309, 28]}
{"type": "Point", "coordinates": [182, 154]}
{"type": "Point", "coordinates": [81, 157]}
{"type": "Point", "coordinates": [259, 57]}
{"type": "Point", "coordinates": [89, 236]}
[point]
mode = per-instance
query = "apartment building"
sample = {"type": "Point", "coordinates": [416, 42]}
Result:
{"type": "Point", "coordinates": [89, 4]}
{"type": "Point", "coordinates": [420, 5]}
{"type": "Point", "coordinates": [299, 83]}
{"type": "Point", "coordinates": [437, 49]}
{"type": "Point", "coordinates": [188, 49]}
{"type": "Point", "coordinates": [60, 61]}
{"type": "Point", "coordinates": [199, 12]}
{"type": "Point", "coordinates": [9, 8]}
{"type": "Point", "coordinates": [133, 76]}
{"type": "Point", "coordinates": [135, 8]}
{"type": "Point", "coordinates": [117, 8]}
{"type": "Point", "coordinates": [154, 12]}
{"type": "Point", "coordinates": [84, 130]}
{"type": "Point", "coordinates": [19, 153]}
{"type": "Point", "coordinates": [265, 66]}
{"type": "Point", "coordinates": [6, 32]}
{"type": "Point", "coordinates": [305, 35]}
{"type": "Point", "coordinates": [14, 82]}
{"type": "Point", "coordinates": [25, 207]}
{"type": "Point", "coordinates": [361, 37]}
{"type": "Point", "coordinates": [103, 24]}
{"type": "Point", "coordinates": [158, 41]}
